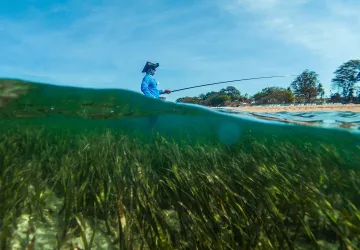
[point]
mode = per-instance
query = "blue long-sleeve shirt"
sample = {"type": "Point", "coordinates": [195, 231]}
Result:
{"type": "Point", "coordinates": [149, 87]}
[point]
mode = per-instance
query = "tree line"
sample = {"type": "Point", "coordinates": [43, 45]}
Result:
{"type": "Point", "coordinates": [305, 88]}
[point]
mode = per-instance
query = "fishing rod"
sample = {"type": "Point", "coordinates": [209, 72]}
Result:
{"type": "Point", "coordinates": [240, 80]}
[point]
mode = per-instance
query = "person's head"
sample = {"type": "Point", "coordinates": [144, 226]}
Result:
{"type": "Point", "coordinates": [150, 68]}
{"type": "Point", "coordinates": [151, 71]}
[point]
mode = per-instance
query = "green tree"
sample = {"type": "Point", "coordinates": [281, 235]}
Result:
{"type": "Point", "coordinates": [346, 77]}
{"type": "Point", "coordinates": [232, 92]}
{"type": "Point", "coordinates": [229, 95]}
{"type": "Point", "coordinates": [188, 99]}
{"type": "Point", "coordinates": [209, 94]}
{"type": "Point", "coordinates": [208, 97]}
{"type": "Point", "coordinates": [219, 99]}
{"type": "Point", "coordinates": [320, 91]}
{"type": "Point", "coordinates": [290, 98]}
{"type": "Point", "coordinates": [305, 86]}
{"type": "Point", "coordinates": [274, 95]}
{"type": "Point", "coordinates": [335, 97]}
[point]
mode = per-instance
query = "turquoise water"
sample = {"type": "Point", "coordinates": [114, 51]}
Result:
{"type": "Point", "coordinates": [72, 108]}
{"type": "Point", "coordinates": [222, 177]}
{"type": "Point", "coordinates": [325, 119]}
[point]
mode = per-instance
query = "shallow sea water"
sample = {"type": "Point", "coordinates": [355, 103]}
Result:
{"type": "Point", "coordinates": [177, 176]}
{"type": "Point", "coordinates": [325, 119]}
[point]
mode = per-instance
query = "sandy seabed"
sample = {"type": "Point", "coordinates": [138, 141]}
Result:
{"type": "Point", "coordinates": [298, 108]}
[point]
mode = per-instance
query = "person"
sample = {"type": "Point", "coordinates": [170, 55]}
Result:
{"type": "Point", "coordinates": [149, 84]}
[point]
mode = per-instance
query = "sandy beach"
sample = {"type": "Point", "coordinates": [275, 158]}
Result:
{"type": "Point", "coordinates": [299, 108]}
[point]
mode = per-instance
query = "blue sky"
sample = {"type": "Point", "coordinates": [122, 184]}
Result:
{"type": "Point", "coordinates": [105, 44]}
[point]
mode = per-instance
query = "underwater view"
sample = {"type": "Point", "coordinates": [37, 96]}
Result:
{"type": "Point", "coordinates": [87, 168]}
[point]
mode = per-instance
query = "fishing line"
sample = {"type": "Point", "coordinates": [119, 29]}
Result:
{"type": "Point", "coordinates": [240, 80]}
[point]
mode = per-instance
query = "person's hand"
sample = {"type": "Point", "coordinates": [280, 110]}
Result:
{"type": "Point", "coordinates": [167, 91]}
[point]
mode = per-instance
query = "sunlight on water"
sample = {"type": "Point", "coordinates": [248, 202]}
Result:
{"type": "Point", "coordinates": [326, 119]}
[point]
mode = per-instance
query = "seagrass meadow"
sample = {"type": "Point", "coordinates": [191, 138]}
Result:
{"type": "Point", "coordinates": [111, 169]}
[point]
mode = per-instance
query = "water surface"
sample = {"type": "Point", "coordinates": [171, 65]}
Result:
{"type": "Point", "coordinates": [112, 169]}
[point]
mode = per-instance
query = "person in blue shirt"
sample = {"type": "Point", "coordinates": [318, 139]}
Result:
{"type": "Point", "coordinates": [149, 84]}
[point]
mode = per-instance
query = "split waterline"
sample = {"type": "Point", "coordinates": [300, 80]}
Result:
{"type": "Point", "coordinates": [111, 169]}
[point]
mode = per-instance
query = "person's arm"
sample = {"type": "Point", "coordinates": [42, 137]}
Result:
{"type": "Point", "coordinates": [163, 91]}
{"type": "Point", "coordinates": [145, 87]}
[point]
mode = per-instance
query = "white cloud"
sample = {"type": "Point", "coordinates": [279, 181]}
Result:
{"type": "Point", "coordinates": [106, 46]}
{"type": "Point", "coordinates": [331, 31]}
{"type": "Point", "coordinates": [326, 33]}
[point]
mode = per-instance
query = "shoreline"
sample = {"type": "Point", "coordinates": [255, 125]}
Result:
{"type": "Point", "coordinates": [296, 108]}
